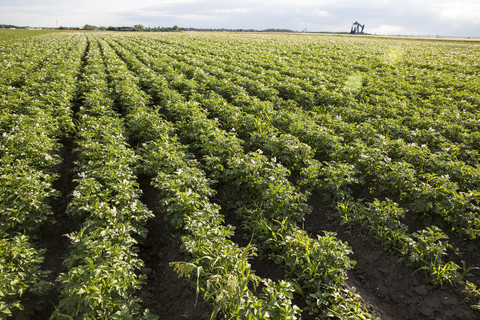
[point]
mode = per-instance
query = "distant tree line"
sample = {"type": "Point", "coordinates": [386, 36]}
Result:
{"type": "Point", "coordinates": [10, 26]}
{"type": "Point", "coordinates": [139, 27]}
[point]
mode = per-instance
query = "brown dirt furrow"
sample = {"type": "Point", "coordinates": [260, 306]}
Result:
{"type": "Point", "coordinates": [52, 235]}
{"type": "Point", "coordinates": [390, 289]}
{"type": "Point", "coordinates": [164, 293]}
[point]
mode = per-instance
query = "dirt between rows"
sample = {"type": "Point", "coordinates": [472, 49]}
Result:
{"type": "Point", "coordinates": [164, 293]}
{"type": "Point", "coordinates": [52, 235]}
{"type": "Point", "coordinates": [387, 287]}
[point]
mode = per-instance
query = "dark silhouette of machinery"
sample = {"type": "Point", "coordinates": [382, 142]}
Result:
{"type": "Point", "coordinates": [357, 28]}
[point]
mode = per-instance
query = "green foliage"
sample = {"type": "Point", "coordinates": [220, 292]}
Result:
{"type": "Point", "coordinates": [36, 97]}
{"type": "Point", "coordinates": [102, 267]}
{"type": "Point", "coordinates": [333, 180]}
{"type": "Point", "coordinates": [22, 281]}
{"type": "Point", "coordinates": [228, 288]}
{"type": "Point", "coordinates": [99, 283]}
{"type": "Point", "coordinates": [472, 295]}
{"type": "Point", "coordinates": [428, 251]}
{"type": "Point", "coordinates": [384, 134]}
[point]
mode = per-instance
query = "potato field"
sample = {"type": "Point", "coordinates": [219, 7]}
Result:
{"type": "Point", "coordinates": [238, 176]}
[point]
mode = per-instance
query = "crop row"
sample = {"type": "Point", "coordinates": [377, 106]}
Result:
{"type": "Point", "coordinates": [33, 119]}
{"type": "Point", "coordinates": [350, 165]}
{"type": "Point", "coordinates": [24, 58]}
{"type": "Point", "coordinates": [267, 127]}
{"type": "Point", "coordinates": [218, 267]}
{"type": "Point", "coordinates": [102, 264]}
{"type": "Point", "coordinates": [331, 179]}
{"type": "Point", "coordinates": [428, 170]}
{"type": "Point", "coordinates": [269, 204]}
{"type": "Point", "coordinates": [227, 81]}
{"type": "Point", "coordinates": [352, 109]}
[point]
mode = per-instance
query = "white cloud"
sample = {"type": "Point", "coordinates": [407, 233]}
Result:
{"type": "Point", "coordinates": [321, 13]}
{"type": "Point", "coordinates": [236, 10]}
{"type": "Point", "coordinates": [460, 17]}
{"type": "Point", "coordinates": [468, 11]}
{"type": "Point", "coordinates": [386, 29]}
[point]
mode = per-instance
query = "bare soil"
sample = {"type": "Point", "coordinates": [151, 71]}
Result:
{"type": "Point", "coordinates": [52, 234]}
{"type": "Point", "coordinates": [165, 294]}
{"type": "Point", "coordinates": [387, 287]}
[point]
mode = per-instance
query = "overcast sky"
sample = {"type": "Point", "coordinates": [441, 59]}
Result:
{"type": "Point", "coordinates": [406, 17]}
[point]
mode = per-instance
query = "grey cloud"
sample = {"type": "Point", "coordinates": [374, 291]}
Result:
{"type": "Point", "coordinates": [410, 16]}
